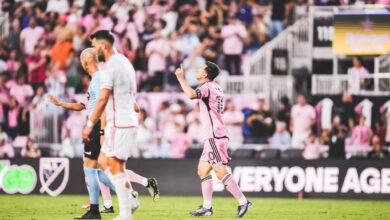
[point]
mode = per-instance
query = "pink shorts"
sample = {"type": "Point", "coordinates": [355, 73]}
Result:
{"type": "Point", "coordinates": [215, 152]}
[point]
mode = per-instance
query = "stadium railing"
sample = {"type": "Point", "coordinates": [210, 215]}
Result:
{"type": "Point", "coordinates": [382, 64]}
{"type": "Point", "coordinates": [379, 84]}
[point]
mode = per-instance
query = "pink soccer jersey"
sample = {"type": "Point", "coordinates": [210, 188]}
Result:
{"type": "Point", "coordinates": [211, 103]}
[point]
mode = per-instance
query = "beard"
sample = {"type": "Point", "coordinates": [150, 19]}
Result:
{"type": "Point", "coordinates": [100, 55]}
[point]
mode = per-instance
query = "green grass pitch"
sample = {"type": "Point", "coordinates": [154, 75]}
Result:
{"type": "Point", "coordinates": [40, 207]}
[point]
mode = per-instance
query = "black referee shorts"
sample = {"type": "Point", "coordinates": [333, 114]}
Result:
{"type": "Point", "coordinates": [92, 147]}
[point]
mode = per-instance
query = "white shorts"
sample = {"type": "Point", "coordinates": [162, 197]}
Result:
{"type": "Point", "coordinates": [118, 142]}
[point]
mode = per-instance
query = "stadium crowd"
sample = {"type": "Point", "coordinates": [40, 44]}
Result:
{"type": "Point", "coordinates": [40, 56]}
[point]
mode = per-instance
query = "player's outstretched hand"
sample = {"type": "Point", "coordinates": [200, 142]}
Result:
{"type": "Point", "coordinates": [180, 72]}
{"type": "Point", "coordinates": [54, 100]}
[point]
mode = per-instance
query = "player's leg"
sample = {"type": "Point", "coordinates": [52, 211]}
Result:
{"type": "Point", "coordinates": [221, 158]}
{"type": "Point", "coordinates": [105, 184]}
{"type": "Point", "coordinates": [91, 179]}
{"type": "Point", "coordinates": [205, 209]}
{"type": "Point", "coordinates": [91, 154]}
{"type": "Point", "coordinates": [122, 186]}
{"type": "Point", "coordinates": [103, 176]}
{"type": "Point", "coordinates": [150, 183]}
{"type": "Point", "coordinates": [204, 168]}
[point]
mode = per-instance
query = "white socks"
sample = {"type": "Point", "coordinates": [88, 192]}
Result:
{"type": "Point", "coordinates": [107, 203]}
{"type": "Point", "coordinates": [242, 200]}
{"type": "Point", "coordinates": [145, 182]}
{"type": "Point", "coordinates": [122, 191]}
{"type": "Point", "coordinates": [206, 204]}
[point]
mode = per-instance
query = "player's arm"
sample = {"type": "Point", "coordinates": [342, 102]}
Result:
{"type": "Point", "coordinates": [190, 92]}
{"type": "Point", "coordinates": [65, 105]}
{"type": "Point", "coordinates": [100, 105]}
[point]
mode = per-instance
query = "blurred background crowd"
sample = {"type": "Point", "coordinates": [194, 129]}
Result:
{"type": "Point", "coordinates": [40, 56]}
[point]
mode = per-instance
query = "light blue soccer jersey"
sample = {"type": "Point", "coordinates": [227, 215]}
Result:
{"type": "Point", "coordinates": [93, 92]}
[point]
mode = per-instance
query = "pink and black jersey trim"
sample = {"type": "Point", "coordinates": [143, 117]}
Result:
{"type": "Point", "coordinates": [206, 101]}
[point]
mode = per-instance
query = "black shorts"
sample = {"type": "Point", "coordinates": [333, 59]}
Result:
{"type": "Point", "coordinates": [92, 147]}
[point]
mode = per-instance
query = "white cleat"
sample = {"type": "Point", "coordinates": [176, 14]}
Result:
{"type": "Point", "coordinates": [135, 205]}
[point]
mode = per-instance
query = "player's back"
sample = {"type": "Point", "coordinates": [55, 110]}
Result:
{"type": "Point", "coordinates": [211, 110]}
{"type": "Point", "coordinates": [119, 76]}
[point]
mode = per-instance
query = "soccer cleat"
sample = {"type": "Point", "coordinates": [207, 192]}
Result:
{"type": "Point", "coordinates": [242, 209]}
{"type": "Point", "coordinates": [104, 209]}
{"type": "Point", "coordinates": [202, 211]}
{"type": "Point", "coordinates": [134, 201]}
{"type": "Point", "coordinates": [89, 215]}
{"type": "Point", "coordinates": [86, 205]}
{"type": "Point", "coordinates": [153, 189]}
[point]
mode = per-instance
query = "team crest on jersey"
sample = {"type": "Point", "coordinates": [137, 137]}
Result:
{"type": "Point", "coordinates": [54, 175]}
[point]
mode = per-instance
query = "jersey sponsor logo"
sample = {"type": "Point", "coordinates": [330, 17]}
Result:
{"type": "Point", "coordinates": [51, 170]}
{"type": "Point", "coordinates": [88, 153]}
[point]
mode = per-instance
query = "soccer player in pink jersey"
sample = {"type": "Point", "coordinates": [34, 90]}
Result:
{"type": "Point", "coordinates": [214, 155]}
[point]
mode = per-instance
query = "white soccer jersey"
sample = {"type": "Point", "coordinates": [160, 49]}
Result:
{"type": "Point", "coordinates": [118, 75]}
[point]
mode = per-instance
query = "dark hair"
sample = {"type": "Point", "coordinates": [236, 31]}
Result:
{"type": "Point", "coordinates": [103, 35]}
{"type": "Point", "coordinates": [212, 70]}
{"type": "Point", "coordinates": [358, 58]}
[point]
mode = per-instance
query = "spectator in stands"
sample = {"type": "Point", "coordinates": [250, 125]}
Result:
{"type": "Point", "coordinates": [62, 31]}
{"type": "Point", "coordinates": [36, 64]}
{"type": "Point", "coordinates": [337, 140]}
{"type": "Point", "coordinates": [181, 143]}
{"type": "Point", "coordinates": [30, 36]}
{"type": "Point", "coordinates": [378, 152]}
{"type": "Point", "coordinates": [281, 137]}
{"type": "Point", "coordinates": [312, 149]}
{"type": "Point", "coordinates": [14, 64]}
{"type": "Point", "coordinates": [282, 11]}
{"type": "Point", "coordinates": [385, 110]}
{"type": "Point", "coordinates": [361, 133]}
{"type": "Point", "coordinates": [380, 130]}
{"type": "Point", "coordinates": [193, 126]}
{"type": "Point", "coordinates": [72, 71]}
{"type": "Point", "coordinates": [144, 134]}
{"type": "Point", "coordinates": [13, 38]}
{"type": "Point", "coordinates": [259, 31]}
{"type": "Point", "coordinates": [6, 150]}
{"type": "Point", "coordinates": [345, 110]}
{"type": "Point", "coordinates": [172, 123]}
{"type": "Point", "coordinates": [156, 51]}
{"type": "Point", "coordinates": [12, 119]}
{"type": "Point", "coordinates": [159, 148]}
{"type": "Point", "coordinates": [358, 70]}
{"type": "Point", "coordinates": [72, 129]}
{"type": "Point", "coordinates": [233, 120]}
{"type": "Point", "coordinates": [284, 113]}
{"type": "Point", "coordinates": [234, 36]}
{"type": "Point", "coordinates": [21, 91]}
{"type": "Point", "coordinates": [61, 50]}
{"type": "Point", "coordinates": [173, 61]}
{"type": "Point", "coordinates": [31, 150]}
{"type": "Point", "coordinates": [260, 124]}
{"type": "Point", "coordinates": [302, 119]}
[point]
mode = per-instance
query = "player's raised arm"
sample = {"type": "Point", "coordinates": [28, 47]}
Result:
{"type": "Point", "coordinates": [190, 92]}
{"type": "Point", "coordinates": [65, 105]}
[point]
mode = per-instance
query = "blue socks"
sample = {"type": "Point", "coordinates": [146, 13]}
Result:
{"type": "Point", "coordinates": [105, 180]}
{"type": "Point", "coordinates": [91, 178]}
